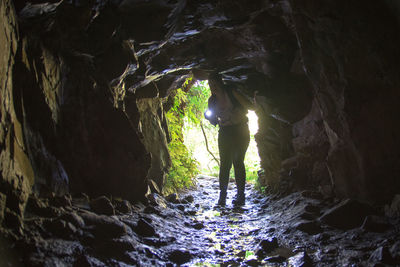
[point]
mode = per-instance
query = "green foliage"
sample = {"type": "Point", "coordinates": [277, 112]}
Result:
{"type": "Point", "coordinates": [184, 166]}
{"type": "Point", "coordinates": [188, 143]}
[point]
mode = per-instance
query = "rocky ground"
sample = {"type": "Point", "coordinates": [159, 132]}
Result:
{"type": "Point", "coordinates": [301, 229]}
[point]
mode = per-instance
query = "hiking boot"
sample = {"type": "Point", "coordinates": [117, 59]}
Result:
{"type": "Point", "coordinates": [239, 200]}
{"type": "Point", "coordinates": [222, 198]}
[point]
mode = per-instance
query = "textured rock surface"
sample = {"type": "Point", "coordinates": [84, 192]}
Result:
{"type": "Point", "coordinates": [84, 86]}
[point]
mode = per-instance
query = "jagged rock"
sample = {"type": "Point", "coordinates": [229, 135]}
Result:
{"type": "Point", "coordinates": [266, 246]}
{"type": "Point", "coordinates": [395, 251]}
{"type": "Point", "coordinates": [180, 256]}
{"type": "Point", "coordinates": [275, 259]}
{"type": "Point", "coordinates": [309, 227]}
{"type": "Point", "coordinates": [381, 255]}
{"type": "Point", "coordinates": [104, 227]}
{"type": "Point", "coordinates": [123, 206]}
{"type": "Point", "coordinates": [13, 220]}
{"type": "Point", "coordinates": [312, 194]}
{"type": "Point", "coordinates": [173, 198]}
{"type": "Point", "coordinates": [300, 260]}
{"type": "Point", "coordinates": [144, 228]}
{"type": "Point", "coordinates": [60, 228]}
{"type": "Point", "coordinates": [198, 226]}
{"type": "Point", "coordinates": [89, 261]}
{"type": "Point", "coordinates": [312, 209]}
{"type": "Point", "coordinates": [393, 209]}
{"type": "Point", "coordinates": [73, 218]}
{"type": "Point", "coordinates": [188, 199]}
{"type": "Point", "coordinates": [253, 262]}
{"type": "Point", "coordinates": [102, 205]}
{"type": "Point", "coordinates": [60, 201]}
{"type": "Point", "coordinates": [81, 200]}
{"type": "Point", "coordinates": [157, 200]}
{"type": "Point", "coordinates": [2, 206]}
{"type": "Point", "coordinates": [347, 214]}
{"type": "Point", "coordinates": [375, 224]}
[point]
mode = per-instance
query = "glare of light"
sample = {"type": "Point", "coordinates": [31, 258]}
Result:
{"type": "Point", "coordinates": [208, 113]}
{"type": "Point", "coordinates": [253, 122]}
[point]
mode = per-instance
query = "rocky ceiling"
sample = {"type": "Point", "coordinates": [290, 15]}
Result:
{"type": "Point", "coordinates": [84, 85]}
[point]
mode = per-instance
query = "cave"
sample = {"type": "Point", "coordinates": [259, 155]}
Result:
{"type": "Point", "coordinates": [85, 88]}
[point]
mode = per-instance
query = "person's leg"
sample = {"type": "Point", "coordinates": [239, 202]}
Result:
{"type": "Point", "coordinates": [225, 155]}
{"type": "Point", "coordinates": [242, 143]}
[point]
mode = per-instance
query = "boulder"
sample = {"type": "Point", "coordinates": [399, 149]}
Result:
{"type": "Point", "coordinates": [180, 256]}
{"type": "Point", "coordinates": [309, 227]}
{"type": "Point", "coordinates": [266, 246]}
{"type": "Point", "coordinates": [300, 260]}
{"type": "Point", "coordinates": [381, 255]}
{"type": "Point", "coordinates": [376, 224]}
{"type": "Point", "coordinates": [102, 205]}
{"type": "Point", "coordinates": [144, 228]}
{"type": "Point", "coordinates": [347, 214]}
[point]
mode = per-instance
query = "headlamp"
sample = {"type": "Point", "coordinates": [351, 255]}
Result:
{"type": "Point", "coordinates": [208, 113]}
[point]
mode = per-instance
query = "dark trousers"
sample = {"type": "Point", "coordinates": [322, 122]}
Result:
{"type": "Point", "coordinates": [232, 143]}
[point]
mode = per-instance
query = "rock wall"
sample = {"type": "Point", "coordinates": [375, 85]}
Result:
{"type": "Point", "coordinates": [350, 53]}
{"type": "Point", "coordinates": [61, 131]}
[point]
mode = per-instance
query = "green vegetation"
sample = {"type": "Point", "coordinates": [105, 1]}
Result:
{"type": "Point", "coordinates": [188, 150]}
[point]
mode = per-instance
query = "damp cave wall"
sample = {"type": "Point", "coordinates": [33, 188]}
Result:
{"type": "Point", "coordinates": [84, 86]}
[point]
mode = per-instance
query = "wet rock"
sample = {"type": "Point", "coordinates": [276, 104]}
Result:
{"type": "Point", "coordinates": [188, 199]}
{"type": "Point", "coordinates": [173, 198]}
{"type": "Point", "coordinates": [156, 200]}
{"type": "Point", "coordinates": [198, 226]}
{"type": "Point", "coordinates": [300, 260]}
{"type": "Point", "coordinates": [180, 207]}
{"type": "Point", "coordinates": [104, 227]}
{"type": "Point", "coordinates": [180, 256]}
{"type": "Point", "coordinates": [123, 206]}
{"type": "Point", "coordinates": [88, 261]}
{"type": "Point", "coordinates": [253, 262]}
{"type": "Point", "coordinates": [275, 259]}
{"type": "Point", "coordinates": [144, 228]}
{"type": "Point", "coordinates": [376, 224]}
{"type": "Point", "coordinates": [347, 214]}
{"type": "Point", "coordinates": [266, 246]}
{"type": "Point", "coordinates": [309, 227]}
{"type": "Point", "coordinates": [381, 255]}
{"type": "Point", "coordinates": [102, 205]}
{"type": "Point", "coordinates": [73, 218]}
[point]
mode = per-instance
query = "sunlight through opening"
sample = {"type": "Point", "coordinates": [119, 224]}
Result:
{"type": "Point", "coordinates": [195, 141]}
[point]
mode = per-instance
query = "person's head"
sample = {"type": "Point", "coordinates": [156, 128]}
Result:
{"type": "Point", "coordinates": [215, 82]}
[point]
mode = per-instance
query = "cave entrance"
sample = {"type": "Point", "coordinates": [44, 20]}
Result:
{"type": "Point", "coordinates": [201, 138]}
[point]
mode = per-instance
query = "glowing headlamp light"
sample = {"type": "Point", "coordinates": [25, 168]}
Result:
{"type": "Point", "coordinates": [208, 113]}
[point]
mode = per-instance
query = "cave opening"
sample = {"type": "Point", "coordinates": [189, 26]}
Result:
{"type": "Point", "coordinates": [196, 133]}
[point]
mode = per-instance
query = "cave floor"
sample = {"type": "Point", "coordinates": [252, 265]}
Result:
{"type": "Point", "coordinates": [190, 231]}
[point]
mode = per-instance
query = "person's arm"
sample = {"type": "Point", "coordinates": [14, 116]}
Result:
{"type": "Point", "coordinates": [243, 100]}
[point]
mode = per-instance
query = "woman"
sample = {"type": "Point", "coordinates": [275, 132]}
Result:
{"type": "Point", "coordinates": [228, 109]}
